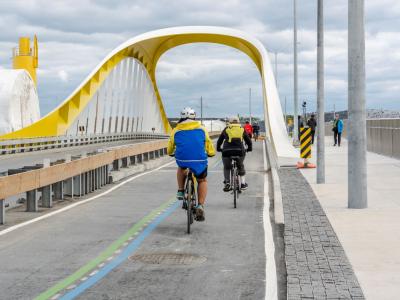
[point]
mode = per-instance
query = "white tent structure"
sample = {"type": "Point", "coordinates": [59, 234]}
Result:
{"type": "Point", "coordinates": [19, 102]}
{"type": "Point", "coordinates": [214, 125]}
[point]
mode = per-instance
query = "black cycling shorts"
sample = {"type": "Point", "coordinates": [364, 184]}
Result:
{"type": "Point", "coordinates": [202, 175]}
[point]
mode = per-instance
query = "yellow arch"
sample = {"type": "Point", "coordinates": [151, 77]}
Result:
{"type": "Point", "coordinates": [148, 51]}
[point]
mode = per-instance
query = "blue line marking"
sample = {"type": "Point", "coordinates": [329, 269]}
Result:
{"type": "Point", "coordinates": [132, 247]}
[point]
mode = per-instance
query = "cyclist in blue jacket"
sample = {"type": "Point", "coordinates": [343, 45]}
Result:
{"type": "Point", "coordinates": [190, 143]}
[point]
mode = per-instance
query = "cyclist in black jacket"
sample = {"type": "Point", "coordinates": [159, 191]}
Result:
{"type": "Point", "coordinates": [231, 140]}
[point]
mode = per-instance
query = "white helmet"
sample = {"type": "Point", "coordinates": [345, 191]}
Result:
{"type": "Point", "coordinates": [234, 119]}
{"type": "Point", "coordinates": [188, 113]}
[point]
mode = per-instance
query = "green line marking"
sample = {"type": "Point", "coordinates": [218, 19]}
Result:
{"type": "Point", "coordinates": [104, 255]}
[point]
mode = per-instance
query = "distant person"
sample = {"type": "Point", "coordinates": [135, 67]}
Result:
{"type": "Point", "coordinates": [256, 130]}
{"type": "Point", "coordinates": [337, 130]}
{"type": "Point", "coordinates": [248, 129]}
{"type": "Point", "coordinates": [312, 123]}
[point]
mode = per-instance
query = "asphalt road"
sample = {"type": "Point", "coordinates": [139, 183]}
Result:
{"type": "Point", "coordinates": [18, 160]}
{"type": "Point", "coordinates": [132, 244]}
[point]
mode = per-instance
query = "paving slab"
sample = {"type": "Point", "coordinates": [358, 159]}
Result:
{"type": "Point", "coordinates": [316, 264]}
{"type": "Point", "coordinates": [370, 237]}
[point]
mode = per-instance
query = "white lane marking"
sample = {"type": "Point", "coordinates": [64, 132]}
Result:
{"type": "Point", "coordinates": [71, 287]}
{"type": "Point", "coordinates": [15, 227]}
{"type": "Point", "coordinates": [271, 284]}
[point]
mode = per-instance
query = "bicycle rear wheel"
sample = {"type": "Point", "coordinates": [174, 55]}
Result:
{"type": "Point", "coordinates": [235, 187]}
{"type": "Point", "coordinates": [189, 204]}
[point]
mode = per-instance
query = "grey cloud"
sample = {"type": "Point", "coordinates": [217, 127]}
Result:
{"type": "Point", "coordinates": [74, 36]}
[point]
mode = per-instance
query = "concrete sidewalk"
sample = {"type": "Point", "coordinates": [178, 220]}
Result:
{"type": "Point", "coordinates": [370, 237]}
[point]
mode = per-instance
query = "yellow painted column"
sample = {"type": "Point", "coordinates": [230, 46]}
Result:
{"type": "Point", "coordinates": [24, 57]}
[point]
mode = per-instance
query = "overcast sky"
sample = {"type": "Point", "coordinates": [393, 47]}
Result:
{"type": "Point", "coordinates": [75, 35]}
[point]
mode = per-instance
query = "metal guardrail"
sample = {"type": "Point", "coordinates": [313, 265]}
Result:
{"type": "Point", "coordinates": [74, 176]}
{"type": "Point", "coordinates": [37, 144]}
{"type": "Point", "coordinates": [78, 175]}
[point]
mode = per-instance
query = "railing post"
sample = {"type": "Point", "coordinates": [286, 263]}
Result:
{"type": "Point", "coordinates": [124, 162]}
{"type": "Point", "coordinates": [32, 201]}
{"type": "Point", "coordinates": [47, 197]}
{"type": "Point", "coordinates": [59, 190]}
{"type": "Point", "coordinates": [2, 211]}
{"type": "Point", "coordinates": [116, 164]}
{"type": "Point", "coordinates": [77, 185]}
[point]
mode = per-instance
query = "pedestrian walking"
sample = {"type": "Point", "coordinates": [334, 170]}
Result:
{"type": "Point", "coordinates": [337, 130]}
{"type": "Point", "coordinates": [312, 123]}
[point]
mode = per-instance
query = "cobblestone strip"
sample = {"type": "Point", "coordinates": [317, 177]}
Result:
{"type": "Point", "coordinates": [317, 266]}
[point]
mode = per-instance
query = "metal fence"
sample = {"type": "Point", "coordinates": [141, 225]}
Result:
{"type": "Point", "coordinates": [383, 136]}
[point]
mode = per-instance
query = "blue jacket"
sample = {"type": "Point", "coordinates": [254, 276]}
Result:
{"type": "Point", "coordinates": [191, 144]}
{"type": "Point", "coordinates": [339, 125]}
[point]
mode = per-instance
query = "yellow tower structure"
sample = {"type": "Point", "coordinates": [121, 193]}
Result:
{"type": "Point", "coordinates": [24, 57]}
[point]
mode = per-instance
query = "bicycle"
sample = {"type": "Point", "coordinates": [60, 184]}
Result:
{"type": "Point", "coordinates": [190, 199]}
{"type": "Point", "coordinates": [235, 182]}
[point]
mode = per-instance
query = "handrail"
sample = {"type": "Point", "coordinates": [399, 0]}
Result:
{"type": "Point", "coordinates": [22, 182]}
{"type": "Point", "coordinates": [45, 143]}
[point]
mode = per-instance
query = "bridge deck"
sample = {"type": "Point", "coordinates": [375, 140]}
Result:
{"type": "Point", "coordinates": [35, 258]}
{"type": "Point", "coordinates": [18, 160]}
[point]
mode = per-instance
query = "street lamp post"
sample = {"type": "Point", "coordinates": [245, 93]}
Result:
{"type": "Point", "coordinates": [201, 110]}
{"type": "Point", "coordinates": [295, 108]}
{"type": "Point", "coordinates": [357, 136]}
{"type": "Point", "coordinates": [320, 96]}
{"type": "Point", "coordinates": [250, 104]}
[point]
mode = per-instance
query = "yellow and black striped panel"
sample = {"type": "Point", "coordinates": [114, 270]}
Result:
{"type": "Point", "coordinates": [305, 142]}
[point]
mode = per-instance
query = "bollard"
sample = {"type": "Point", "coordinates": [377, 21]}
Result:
{"type": "Point", "coordinates": [47, 197]}
{"type": "Point", "coordinates": [305, 148]}
{"type": "Point", "coordinates": [2, 211]}
{"type": "Point", "coordinates": [32, 201]}
{"type": "Point", "coordinates": [58, 188]}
